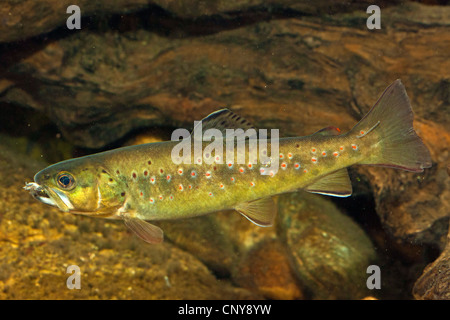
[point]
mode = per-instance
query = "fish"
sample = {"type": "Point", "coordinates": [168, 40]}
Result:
{"type": "Point", "coordinates": [142, 183]}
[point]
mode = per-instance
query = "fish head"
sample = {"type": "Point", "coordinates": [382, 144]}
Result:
{"type": "Point", "coordinates": [78, 186]}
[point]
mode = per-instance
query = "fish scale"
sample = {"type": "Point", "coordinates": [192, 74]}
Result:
{"type": "Point", "coordinates": [143, 183]}
{"type": "Point", "coordinates": [206, 194]}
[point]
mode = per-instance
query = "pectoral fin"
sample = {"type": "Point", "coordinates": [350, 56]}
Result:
{"type": "Point", "coordinates": [336, 184]}
{"type": "Point", "coordinates": [144, 230]}
{"type": "Point", "coordinates": [261, 212]}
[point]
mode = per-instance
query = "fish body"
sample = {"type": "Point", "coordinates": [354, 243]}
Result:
{"type": "Point", "coordinates": [143, 183]}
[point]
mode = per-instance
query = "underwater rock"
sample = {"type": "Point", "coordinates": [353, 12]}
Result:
{"type": "Point", "coordinates": [330, 252]}
{"type": "Point", "coordinates": [434, 284]}
{"type": "Point", "coordinates": [205, 239]}
{"type": "Point", "coordinates": [27, 18]}
{"type": "Point", "coordinates": [305, 74]}
{"type": "Point", "coordinates": [266, 269]}
{"type": "Point", "coordinates": [39, 243]}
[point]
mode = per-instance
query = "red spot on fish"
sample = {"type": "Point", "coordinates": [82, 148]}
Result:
{"type": "Point", "coordinates": [142, 194]}
{"type": "Point", "coordinates": [314, 159]}
{"type": "Point", "coordinates": [160, 197]}
{"type": "Point", "coordinates": [281, 156]}
{"type": "Point", "coordinates": [180, 187]}
{"type": "Point", "coordinates": [152, 179]}
{"type": "Point", "coordinates": [283, 165]}
{"type": "Point", "coordinates": [361, 132]}
{"type": "Point", "coordinates": [210, 194]}
{"type": "Point", "coordinates": [221, 186]}
{"type": "Point", "coordinates": [241, 170]}
{"type": "Point", "coordinates": [341, 148]}
{"type": "Point", "coordinates": [339, 130]}
{"type": "Point", "coordinates": [324, 153]}
{"type": "Point", "coordinates": [168, 177]}
{"type": "Point", "coordinates": [145, 173]}
{"type": "Point", "coordinates": [354, 147]}
{"type": "Point", "coordinates": [252, 184]}
{"type": "Point", "coordinates": [152, 200]}
{"type": "Point", "coordinates": [180, 171]}
{"type": "Point", "coordinates": [189, 186]}
{"type": "Point", "coordinates": [230, 164]}
{"type": "Point", "coordinates": [250, 166]}
{"type": "Point", "coordinates": [296, 165]}
{"type": "Point", "coordinates": [208, 174]}
{"type": "Point", "coordinates": [305, 171]}
{"type": "Point", "coordinates": [193, 173]}
{"type": "Point", "coordinates": [313, 150]}
{"type": "Point", "coordinates": [290, 155]}
{"type": "Point", "coordinates": [335, 153]}
{"type": "Point", "coordinates": [134, 175]}
{"type": "Point", "coordinates": [262, 170]}
{"type": "Point", "coordinates": [171, 197]}
{"type": "Point", "coordinates": [232, 179]}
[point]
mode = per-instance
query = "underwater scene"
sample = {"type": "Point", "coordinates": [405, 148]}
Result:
{"type": "Point", "coordinates": [225, 150]}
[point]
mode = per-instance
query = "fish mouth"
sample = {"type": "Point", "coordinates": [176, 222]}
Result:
{"type": "Point", "coordinates": [49, 196]}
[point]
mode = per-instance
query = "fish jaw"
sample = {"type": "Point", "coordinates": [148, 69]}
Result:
{"type": "Point", "coordinates": [49, 196]}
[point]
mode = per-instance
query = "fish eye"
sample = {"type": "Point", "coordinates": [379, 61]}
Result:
{"type": "Point", "coordinates": [65, 180]}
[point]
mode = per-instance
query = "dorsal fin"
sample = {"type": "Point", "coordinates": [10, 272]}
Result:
{"type": "Point", "coordinates": [221, 120]}
{"type": "Point", "coordinates": [336, 184]}
{"type": "Point", "coordinates": [261, 212]}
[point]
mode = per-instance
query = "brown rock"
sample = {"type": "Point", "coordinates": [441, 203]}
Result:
{"type": "Point", "coordinates": [266, 269]}
{"type": "Point", "coordinates": [330, 252]}
{"type": "Point", "coordinates": [434, 283]}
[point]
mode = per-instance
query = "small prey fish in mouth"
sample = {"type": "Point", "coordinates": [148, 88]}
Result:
{"type": "Point", "coordinates": [141, 183]}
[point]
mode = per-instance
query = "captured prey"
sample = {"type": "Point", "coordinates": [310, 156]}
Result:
{"type": "Point", "coordinates": [141, 183]}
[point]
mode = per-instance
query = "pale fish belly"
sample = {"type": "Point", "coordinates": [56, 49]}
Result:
{"type": "Point", "coordinates": [158, 189]}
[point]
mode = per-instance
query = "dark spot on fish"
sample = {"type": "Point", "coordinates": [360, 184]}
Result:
{"type": "Point", "coordinates": [110, 180]}
{"type": "Point", "coordinates": [161, 170]}
{"type": "Point", "coordinates": [297, 145]}
{"type": "Point", "coordinates": [117, 171]}
{"type": "Point", "coordinates": [145, 173]}
{"type": "Point", "coordinates": [123, 194]}
{"type": "Point", "coordinates": [134, 175]}
{"type": "Point", "coordinates": [234, 116]}
{"type": "Point", "coordinates": [104, 171]}
{"type": "Point", "coordinates": [149, 162]}
{"type": "Point", "coordinates": [222, 123]}
{"type": "Point", "coordinates": [214, 167]}
{"type": "Point", "coordinates": [243, 121]}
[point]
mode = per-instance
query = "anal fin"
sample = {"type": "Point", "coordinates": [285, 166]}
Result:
{"type": "Point", "coordinates": [335, 184]}
{"type": "Point", "coordinates": [144, 230]}
{"type": "Point", "coordinates": [261, 212]}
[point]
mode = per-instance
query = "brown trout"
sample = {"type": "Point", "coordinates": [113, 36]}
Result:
{"type": "Point", "coordinates": [142, 183]}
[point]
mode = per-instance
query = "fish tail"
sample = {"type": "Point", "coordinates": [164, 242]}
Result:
{"type": "Point", "coordinates": [390, 125]}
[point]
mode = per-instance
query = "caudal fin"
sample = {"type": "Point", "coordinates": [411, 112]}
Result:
{"type": "Point", "coordinates": [391, 121]}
